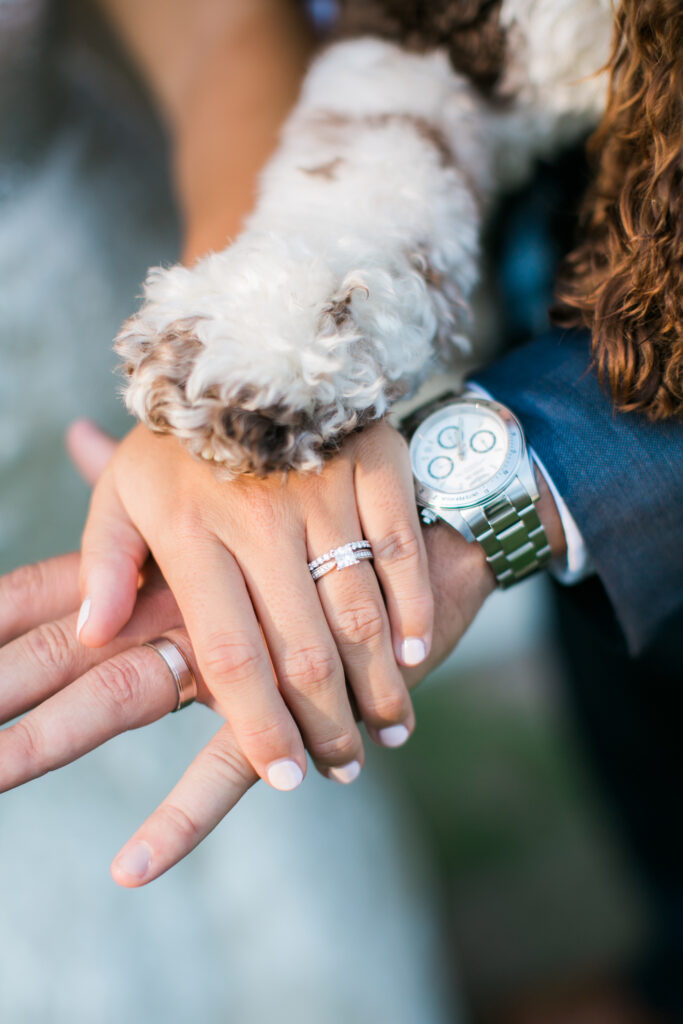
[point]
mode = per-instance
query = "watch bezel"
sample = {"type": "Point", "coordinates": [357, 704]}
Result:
{"type": "Point", "coordinates": [429, 495]}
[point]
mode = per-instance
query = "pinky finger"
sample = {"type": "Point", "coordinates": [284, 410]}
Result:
{"type": "Point", "coordinates": [388, 514]}
{"type": "Point", "coordinates": [215, 781]}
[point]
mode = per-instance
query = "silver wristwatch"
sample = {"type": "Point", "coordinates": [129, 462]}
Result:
{"type": "Point", "coordinates": [472, 470]}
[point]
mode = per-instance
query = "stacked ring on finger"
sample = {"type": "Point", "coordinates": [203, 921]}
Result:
{"type": "Point", "coordinates": [340, 558]}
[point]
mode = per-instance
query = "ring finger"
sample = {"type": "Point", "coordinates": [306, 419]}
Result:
{"type": "Point", "coordinates": [354, 608]}
{"type": "Point", "coordinates": [131, 689]}
{"type": "Point", "coordinates": [49, 657]}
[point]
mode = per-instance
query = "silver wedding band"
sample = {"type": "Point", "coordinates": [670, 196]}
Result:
{"type": "Point", "coordinates": [183, 676]}
{"type": "Point", "coordinates": [340, 558]}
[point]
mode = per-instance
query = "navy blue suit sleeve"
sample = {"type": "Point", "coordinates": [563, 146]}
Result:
{"type": "Point", "coordinates": [620, 475]}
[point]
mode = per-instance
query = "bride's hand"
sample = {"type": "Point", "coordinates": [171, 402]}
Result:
{"type": "Point", "coordinates": [276, 649]}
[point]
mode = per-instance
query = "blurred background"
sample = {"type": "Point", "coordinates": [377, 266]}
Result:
{"type": "Point", "coordinates": [463, 877]}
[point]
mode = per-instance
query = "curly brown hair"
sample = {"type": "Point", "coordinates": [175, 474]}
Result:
{"type": "Point", "coordinates": [624, 280]}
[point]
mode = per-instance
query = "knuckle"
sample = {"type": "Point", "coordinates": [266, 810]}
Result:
{"type": "Point", "coordinates": [399, 545]}
{"type": "Point", "coordinates": [231, 659]}
{"type": "Point", "coordinates": [50, 645]}
{"type": "Point", "coordinates": [118, 682]}
{"type": "Point", "coordinates": [334, 750]}
{"type": "Point", "coordinates": [181, 822]}
{"type": "Point", "coordinates": [24, 584]}
{"type": "Point", "coordinates": [265, 733]}
{"type": "Point", "coordinates": [227, 765]}
{"type": "Point", "coordinates": [265, 503]}
{"type": "Point", "coordinates": [376, 440]}
{"type": "Point", "coordinates": [188, 524]}
{"type": "Point", "coordinates": [30, 743]}
{"type": "Point", "coordinates": [310, 668]}
{"type": "Point", "coordinates": [388, 708]}
{"type": "Point", "coordinates": [360, 623]}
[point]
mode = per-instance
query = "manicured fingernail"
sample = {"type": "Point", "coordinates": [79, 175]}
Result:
{"type": "Point", "coordinates": [413, 650]}
{"type": "Point", "coordinates": [285, 775]}
{"type": "Point", "coordinates": [347, 773]}
{"type": "Point", "coordinates": [83, 616]}
{"type": "Point", "coordinates": [134, 860]}
{"type": "Point", "coordinates": [393, 735]}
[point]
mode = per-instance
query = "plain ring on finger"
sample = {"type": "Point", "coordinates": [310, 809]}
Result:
{"type": "Point", "coordinates": [340, 558]}
{"type": "Point", "coordinates": [183, 676]}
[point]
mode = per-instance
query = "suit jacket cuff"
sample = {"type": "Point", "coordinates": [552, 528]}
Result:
{"type": "Point", "coordinates": [620, 475]}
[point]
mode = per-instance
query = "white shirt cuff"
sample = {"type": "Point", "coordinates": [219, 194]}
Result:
{"type": "Point", "coordinates": [576, 565]}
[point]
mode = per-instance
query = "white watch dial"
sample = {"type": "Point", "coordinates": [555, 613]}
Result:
{"type": "Point", "coordinates": [460, 449]}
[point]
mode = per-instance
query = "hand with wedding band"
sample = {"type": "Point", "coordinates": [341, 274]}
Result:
{"type": "Point", "coordinates": [276, 641]}
{"type": "Point", "coordinates": [74, 698]}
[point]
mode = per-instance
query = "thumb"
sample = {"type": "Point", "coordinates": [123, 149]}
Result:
{"type": "Point", "coordinates": [112, 554]}
{"type": "Point", "coordinates": [90, 448]}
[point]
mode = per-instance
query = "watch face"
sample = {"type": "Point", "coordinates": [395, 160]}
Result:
{"type": "Point", "coordinates": [466, 451]}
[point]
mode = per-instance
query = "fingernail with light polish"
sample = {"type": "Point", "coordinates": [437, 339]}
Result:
{"type": "Point", "coordinates": [83, 616]}
{"type": "Point", "coordinates": [284, 775]}
{"type": "Point", "coordinates": [134, 860]}
{"type": "Point", "coordinates": [347, 773]}
{"type": "Point", "coordinates": [413, 650]}
{"type": "Point", "coordinates": [393, 735]}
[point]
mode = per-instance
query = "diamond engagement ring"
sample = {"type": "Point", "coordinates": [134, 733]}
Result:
{"type": "Point", "coordinates": [340, 558]}
{"type": "Point", "coordinates": [183, 676]}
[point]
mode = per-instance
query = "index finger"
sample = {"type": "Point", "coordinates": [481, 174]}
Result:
{"type": "Point", "coordinates": [215, 781]}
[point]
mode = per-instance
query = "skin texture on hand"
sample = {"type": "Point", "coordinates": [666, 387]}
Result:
{"type": "Point", "coordinates": [74, 698]}
{"type": "Point", "coordinates": [276, 649]}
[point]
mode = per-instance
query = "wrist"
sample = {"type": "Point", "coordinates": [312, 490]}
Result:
{"type": "Point", "coordinates": [550, 517]}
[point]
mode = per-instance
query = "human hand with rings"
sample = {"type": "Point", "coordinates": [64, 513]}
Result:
{"type": "Point", "coordinates": [275, 645]}
{"type": "Point", "coordinates": [74, 698]}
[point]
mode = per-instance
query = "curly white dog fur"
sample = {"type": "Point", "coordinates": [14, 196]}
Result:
{"type": "Point", "coordinates": [352, 276]}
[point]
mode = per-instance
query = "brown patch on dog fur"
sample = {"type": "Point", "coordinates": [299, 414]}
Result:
{"type": "Point", "coordinates": [268, 435]}
{"type": "Point", "coordinates": [327, 171]}
{"type": "Point", "coordinates": [338, 311]}
{"type": "Point", "coordinates": [434, 136]}
{"type": "Point", "coordinates": [170, 359]}
{"type": "Point", "coordinates": [625, 279]}
{"type": "Point", "coordinates": [469, 30]}
{"type": "Point", "coordinates": [433, 278]}
{"type": "Point", "coordinates": [252, 439]}
{"type": "Point", "coordinates": [425, 129]}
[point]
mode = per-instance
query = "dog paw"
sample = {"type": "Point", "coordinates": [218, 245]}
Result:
{"type": "Point", "coordinates": [264, 357]}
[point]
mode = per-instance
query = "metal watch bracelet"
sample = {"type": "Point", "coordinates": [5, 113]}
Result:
{"type": "Point", "coordinates": [511, 533]}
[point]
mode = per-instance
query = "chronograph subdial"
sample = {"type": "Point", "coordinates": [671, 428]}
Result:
{"type": "Point", "coordinates": [482, 441]}
{"type": "Point", "coordinates": [449, 437]}
{"type": "Point", "coordinates": [440, 467]}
